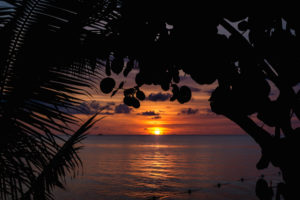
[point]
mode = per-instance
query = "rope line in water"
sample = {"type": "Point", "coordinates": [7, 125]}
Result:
{"type": "Point", "coordinates": [220, 185]}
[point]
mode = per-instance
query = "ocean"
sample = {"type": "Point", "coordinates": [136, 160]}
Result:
{"type": "Point", "coordinates": [168, 167]}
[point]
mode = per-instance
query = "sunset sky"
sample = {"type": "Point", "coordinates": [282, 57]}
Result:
{"type": "Point", "coordinates": [157, 114]}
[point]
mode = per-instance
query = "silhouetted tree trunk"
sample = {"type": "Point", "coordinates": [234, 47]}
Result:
{"type": "Point", "coordinates": [281, 152]}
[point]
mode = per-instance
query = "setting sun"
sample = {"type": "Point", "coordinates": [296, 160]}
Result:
{"type": "Point", "coordinates": [157, 132]}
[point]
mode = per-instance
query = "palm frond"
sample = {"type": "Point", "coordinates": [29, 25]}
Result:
{"type": "Point", "coordinates": [47, 56]}
{"type": "Point", "coordinates": [63, 162]}
{"type": "Point", "coordinates": [6, 13]}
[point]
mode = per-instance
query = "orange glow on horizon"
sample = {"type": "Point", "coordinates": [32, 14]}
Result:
{"type": "Point", "coordinates": [156, 130]}
{"type": "Point", "coordinates": [160, 117]}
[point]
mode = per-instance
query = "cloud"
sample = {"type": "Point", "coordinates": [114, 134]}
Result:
{"type": "Point", "coordinates": [90, 108]}
{"type": "Point", "coordinates": [149, 113]}
{"type": "Point", "coordinates": [189, 111]}
{"type": "Point", "coordinates": [209, 91]}
{"type": "Point", "coordinates": [184, 77]}
{"type": "Point", "coordinates": [194, 89]}
{"type": "Point", "coordinates": [159, 96]}
{"type": "Point", "coordinates": [106, 113]}
{"type": "Point", "coordinates": [156, 117]}
{"type": "Point", "coordinates": [95, 105]}
{"type": "Point", "coordinates": [122, 108]}
{"type": "Point", "coordinates": [208, 113]}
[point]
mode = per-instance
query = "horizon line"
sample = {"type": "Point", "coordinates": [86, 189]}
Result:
{"type": "Point", "coordinates": [100, 134]}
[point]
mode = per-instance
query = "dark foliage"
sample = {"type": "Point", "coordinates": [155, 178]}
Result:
{"type": "Point", "coordinates": [50, 49]}
{"type": "Point", "coordinates": [47, 56]}
{"type": "Point", "coordinates": [259, 49]}
{"type": "Point", "coordinates": [107, 85]}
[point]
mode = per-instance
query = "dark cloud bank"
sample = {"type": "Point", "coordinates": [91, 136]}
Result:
{"type": "Point", "coordinates": [92, 107]}
{"type": "Point", "coordinates": [189, 111]}
{"type": "Point", "coordinates": [159, 96]}
{"type": "Point", "coordinates": [151, 113]}
{"type": "Point", "coordinates": [122, 108]}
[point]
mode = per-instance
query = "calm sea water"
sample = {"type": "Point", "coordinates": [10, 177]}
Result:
{"type": "Point", "coordinates": [167, 167]}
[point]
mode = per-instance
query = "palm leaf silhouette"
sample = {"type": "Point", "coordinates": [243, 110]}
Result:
{"type": "Point", "coordinates": [47, 56]}
{"type": "Point", "coordinates": [64, 161]}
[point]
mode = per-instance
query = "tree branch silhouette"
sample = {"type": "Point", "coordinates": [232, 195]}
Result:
{"type": "Point", "coordinates": [286, 90]}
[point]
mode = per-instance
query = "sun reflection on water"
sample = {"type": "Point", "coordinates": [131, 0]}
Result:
{"type": "Point", "coordinates": [155, 168]}
{"type": "Point", "coordinates": [164, 167]}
